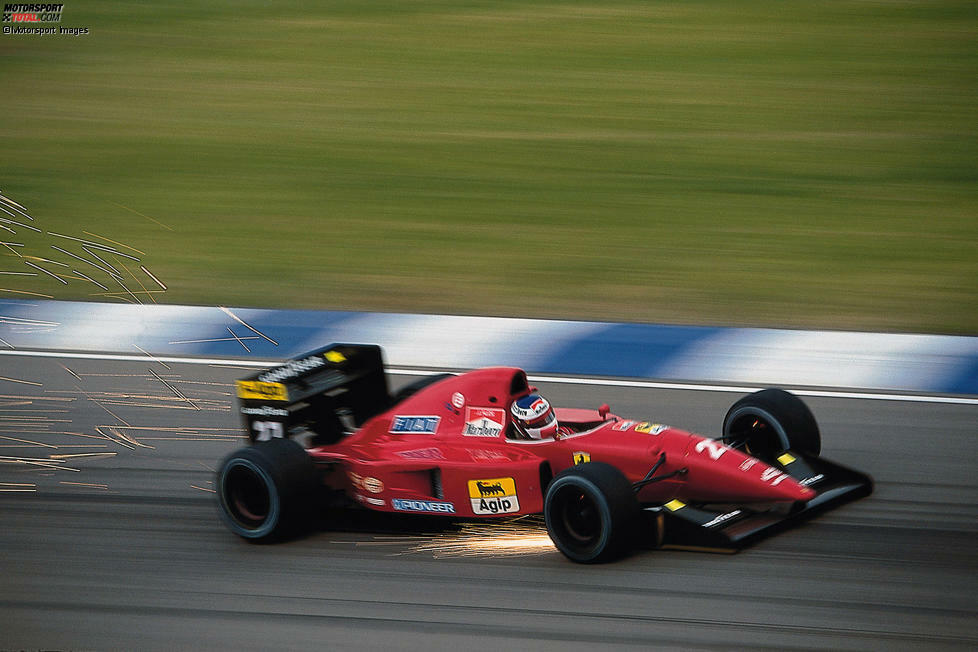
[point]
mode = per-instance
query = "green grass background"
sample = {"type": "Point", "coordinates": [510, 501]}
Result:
{"type": "Point", "coordinates": [764, 163]}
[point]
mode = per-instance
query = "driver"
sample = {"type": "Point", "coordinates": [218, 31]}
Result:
{"type": "Point", "coordinates": [534, 418]}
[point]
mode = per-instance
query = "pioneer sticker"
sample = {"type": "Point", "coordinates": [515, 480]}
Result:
{"type": "Point", "coordinates": [430, 506]}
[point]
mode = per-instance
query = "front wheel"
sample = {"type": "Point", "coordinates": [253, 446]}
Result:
{"type": "Point", "coordinates": [769, 422]}
{"type": "Point", "coordinates": [591, 513]}
{"type": "Point", "coordinates": [266, 491]}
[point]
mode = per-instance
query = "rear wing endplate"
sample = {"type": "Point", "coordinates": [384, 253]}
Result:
{"type": "Point", "coordinates": [327, 392]}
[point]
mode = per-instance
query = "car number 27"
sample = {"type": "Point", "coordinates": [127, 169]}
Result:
{"type": "Point", "coordinates": [265, 430]}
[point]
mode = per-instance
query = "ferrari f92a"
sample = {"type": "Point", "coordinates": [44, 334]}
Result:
{"type": "Point", "coordinates": [325, 429]}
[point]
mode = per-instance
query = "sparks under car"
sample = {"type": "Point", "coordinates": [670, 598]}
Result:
{"type": "Point", "coordinates": [325, 429]}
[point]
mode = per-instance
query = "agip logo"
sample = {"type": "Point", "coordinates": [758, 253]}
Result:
{"type": "Point", "coordinates": [494, 496]}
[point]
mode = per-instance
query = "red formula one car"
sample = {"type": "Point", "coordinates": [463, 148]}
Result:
{"type": "Point", "coordinates": [482, 445]}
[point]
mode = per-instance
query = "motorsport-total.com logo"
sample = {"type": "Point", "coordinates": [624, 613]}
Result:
{"type": "Point", "coordinates": [32, 13]}
{"type": "Point", "coordinates": [36, 18]}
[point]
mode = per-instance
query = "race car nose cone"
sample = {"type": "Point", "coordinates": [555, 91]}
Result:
{"type": "Point", "coordinates": [720, 473]}
{"type": "Point", "coordinates": [769, 484]}
{"type": "Point", "coordinates": [791, 490]}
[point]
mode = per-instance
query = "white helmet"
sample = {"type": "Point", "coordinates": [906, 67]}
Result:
{"type": "Point", "coordinates": [533, 417]}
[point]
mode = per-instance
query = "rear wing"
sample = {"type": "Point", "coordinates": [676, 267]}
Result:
{"type": "Point", "coordinates": [327, 392]}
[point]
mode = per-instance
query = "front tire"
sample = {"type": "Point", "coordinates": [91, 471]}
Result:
{"type": "Point", "coordinates": [591, 513]}
{"type": "Point", "coordinates": [266, 491]}
{"type": "Point", "coordinates": [767, 423]}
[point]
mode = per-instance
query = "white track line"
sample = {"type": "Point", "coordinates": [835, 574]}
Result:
{"type": "Point", "coordinates": [136, 358]}
{"type": "Point", "coordinates": [916, 398]}
{"type": "Point", "coordinates": [602, 382]}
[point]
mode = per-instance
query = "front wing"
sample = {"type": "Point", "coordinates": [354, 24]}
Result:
{"type": "Point", "coordinates": [728, 528]}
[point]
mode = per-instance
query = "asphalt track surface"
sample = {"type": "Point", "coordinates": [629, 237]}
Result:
{"type": "Point", "coordinates": [111, 540]}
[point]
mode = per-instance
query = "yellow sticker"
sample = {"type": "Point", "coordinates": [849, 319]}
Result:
{"type": "Point", "coordinates": [675, 505]}
{"type": "Point", "coordinates": [650, 428]}
{"type": "Point", "coordinates": [492, 487]}
{"type": "Point", "coordinates": [786, 459]}
{"type": "Point", "coordinates": [262, 391]}
{"type": "Point", "coordinates": [334, 356]}
{"type": "Point", "coordinates": [493, 496]}
{"type": "Point", "coordinates": [580, 457]}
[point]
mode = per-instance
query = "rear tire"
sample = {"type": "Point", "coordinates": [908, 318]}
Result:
{"type": "Point", "coordinates": [266, 491]}
{"type": "Point", "coordinates": [591, 513]}
{"type": "Point", "coordinates": [767, 423]}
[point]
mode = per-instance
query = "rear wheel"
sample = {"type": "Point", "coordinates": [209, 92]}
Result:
{"type": "Point", "coordinates": [769, 422]}
{"type": "Point", "coordinates": [266, 491]}
{"type": "Point", "coordinates": [591, 513]}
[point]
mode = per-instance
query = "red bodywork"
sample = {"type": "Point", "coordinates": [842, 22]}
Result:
{"type": "Point", "coordinates": [449, 450]}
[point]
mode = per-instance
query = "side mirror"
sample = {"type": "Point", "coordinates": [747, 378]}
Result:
{"type": "Point", "coordinates": [604, 410]}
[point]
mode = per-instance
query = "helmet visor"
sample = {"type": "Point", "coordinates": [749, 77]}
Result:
{"type": "Point", "coordinates": [541, 421]}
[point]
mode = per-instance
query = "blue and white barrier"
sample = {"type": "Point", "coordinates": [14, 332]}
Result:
{"type": "Point", "coordinates": [897, 362]}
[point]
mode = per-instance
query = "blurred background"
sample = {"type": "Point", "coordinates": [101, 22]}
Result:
{"type": "Point", "coordinates": [729, 163]}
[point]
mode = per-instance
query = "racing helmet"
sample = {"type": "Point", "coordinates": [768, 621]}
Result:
{"type": "Point", "coordinates": [534, 417]}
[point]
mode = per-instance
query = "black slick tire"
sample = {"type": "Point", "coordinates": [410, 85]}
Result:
{"type": "Point", "coordinates": [266, 491]}
{"type": "Point", "coordinates": [591, 513]}
{"type": "Point", "coordinates": [769, 422]}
